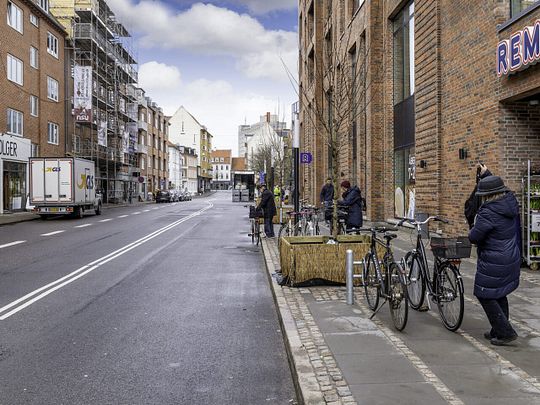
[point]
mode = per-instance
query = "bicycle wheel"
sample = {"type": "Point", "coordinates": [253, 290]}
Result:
{"type": "Point", "coordinates": [283, 230]}
{"type": "Point", "coordinates": [417, 284]}
{"type": "Point", "coordinates": [258, 232]}
{"type": "Point", "coordinates": [450, 300]}
{"type": "Point", "coordinates": [371, 283]}
{"type": "Point", "coordinates": [397, 292]}
{"type": "Point", "coordinates": [252, 231]}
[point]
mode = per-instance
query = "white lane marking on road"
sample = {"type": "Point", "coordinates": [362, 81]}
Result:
{"type": "Point", "coordinates": [12, 244]}
{"type": "Point", "coordinates": [51, 233]}
{"type": "Point", "coordinates": [51, 287]}
{"type": "Point", "coordinates": [136, 213]}
{"type": "Point", "coordinates": [123, 216]}
{"type": "Point", "coordinates": [146, 211]}
{"type": "Point", "coordinates": [82, 226]}
{"type": "Point", "coordinates": [157, 208]}
{"type": "Point", "coordinates": [106, 220]}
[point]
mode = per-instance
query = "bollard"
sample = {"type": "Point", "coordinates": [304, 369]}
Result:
{"type": "Point", "coordinates": [350, 276]}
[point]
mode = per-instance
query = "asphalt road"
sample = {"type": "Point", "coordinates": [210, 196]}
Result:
{"type": "Point", "coordinates": [151, 304]}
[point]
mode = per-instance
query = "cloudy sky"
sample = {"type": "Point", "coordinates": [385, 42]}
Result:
{"type": "Point", "coordinates": [222, 59]}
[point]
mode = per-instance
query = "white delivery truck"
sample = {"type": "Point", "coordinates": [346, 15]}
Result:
{"type": "Point", "coordinates": [61, 186]}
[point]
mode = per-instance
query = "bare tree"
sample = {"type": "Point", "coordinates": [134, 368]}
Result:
{"type": "Point", "coordinates": [340, 73]}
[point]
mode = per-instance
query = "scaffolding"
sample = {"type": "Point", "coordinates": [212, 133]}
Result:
{"type": "Point", "coordinates": [101, 42]}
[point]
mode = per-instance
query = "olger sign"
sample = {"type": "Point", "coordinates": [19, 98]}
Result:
{"type": "Point", "coordinates": [520, 51]}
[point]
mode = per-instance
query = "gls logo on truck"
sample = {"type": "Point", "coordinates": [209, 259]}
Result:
{"type": "Point", "coordinates": [87, 182]}
{"type": "Point", "coordinates": [52, 169]}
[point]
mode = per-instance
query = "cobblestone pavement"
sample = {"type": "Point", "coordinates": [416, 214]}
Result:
{"type": "Point", "coordinates": [342, 357]}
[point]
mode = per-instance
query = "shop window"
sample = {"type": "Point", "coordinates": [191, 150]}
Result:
{"type": "Point", "coordinates": [52, 45]}
{"type": "Point", "coordinates": [14, 69]}
{"type": "Point", "coordinates": [52, 89]}
{"type": "Point", "coordinates": [404, 182]}
{"type": "Point", "coordinates": [14, 122]}
{"type": "Point", "coordinates": [517, 6]}
{"type": "Point", "coordinates": [52, 133]}
{"type": "Point", "coordinates": [34, 57]}
{"type": "Point", "coordinates": [14, 17]}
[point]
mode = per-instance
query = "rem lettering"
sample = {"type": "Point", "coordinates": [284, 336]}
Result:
{"type": "Point", "coordinates": [52, 169]}
{"type": "Point", "coordinates": [520, 51]}
{"type": "Point", "coordinates": [8, 148]}
{"type": "Point", "coordinates": [87, 182]}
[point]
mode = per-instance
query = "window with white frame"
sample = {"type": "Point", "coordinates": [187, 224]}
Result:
{"type": "Point", "coordinates": [34, 152]}
{"type": "Point", "coordinates": [52, 44]}
{"type": "Point", "coordinates": [14, 122]}
{"type": "Point", "coordinates": [34, 106]}
{"type": "Point", "coordinates": [52, 133]}
{"type": "Point", "coordinates": [34, 57]}
{"type": "Point", "coordinates": [44, 4]}
{"type": "Point", "coordinates": [14, 17]}
{"type": "Point", "coordinates": [34, 20]}
{"type": "Point", "coordinates": [52, 88]}
{"type": "Point", "coordinates": [14, 69]}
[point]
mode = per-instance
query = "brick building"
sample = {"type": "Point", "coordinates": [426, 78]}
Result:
{"type": "Point", "coordinates": [428, 103]}
{"type": "Point", "coordinates": [158, 137]}
{"type": "Point", "coordinates": [221, 161]}
{"type": "Point", "coordinates": [32, 94]}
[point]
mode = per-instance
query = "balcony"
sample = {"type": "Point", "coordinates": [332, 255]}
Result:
{"type": "Point", "coordinates": [141, 149]}
{"type": "Point", "coordinates": [142, 125]}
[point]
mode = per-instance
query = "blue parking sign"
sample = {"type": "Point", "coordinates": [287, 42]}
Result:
{"type": "Point", "coordinates": [306, 157]}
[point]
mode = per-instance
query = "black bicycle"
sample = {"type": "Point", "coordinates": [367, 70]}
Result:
{"type": "Point", "coordinates": [388, 282]}
{"type": "Point", "coordinates": [255, 222]}
{"type": "Point", "coordinates": [445, 285]}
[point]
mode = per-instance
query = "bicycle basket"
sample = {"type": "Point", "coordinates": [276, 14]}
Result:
{"type": "Point", "coordinates": [451, 248]}
{"type": "Point", "coordinates": [254, 212]}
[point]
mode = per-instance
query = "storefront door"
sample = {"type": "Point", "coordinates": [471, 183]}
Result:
{"type": "Point", "coordinates": [14, 186]}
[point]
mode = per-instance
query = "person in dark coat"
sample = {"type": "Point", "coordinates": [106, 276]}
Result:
{"type": "Point", "coordinates": [327, 198]}
{"type": "Point", "coordinates": [268, 207]}
{"type": "Point", "coordinates": [474, 202]}
{"type": "Point", "coordinates": [496, 232]}
{"type": "Point", "coordinates": [352, 199]}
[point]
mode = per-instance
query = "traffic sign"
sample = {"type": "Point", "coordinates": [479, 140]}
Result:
{"type": "Point", "coordinates": [306, 157]}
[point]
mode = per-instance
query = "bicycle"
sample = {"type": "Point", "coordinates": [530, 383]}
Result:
{"type": "Point", "coordinates": [255, 222]}
{"type": "Point", "coordinates": [445, 285]}
{"type": "Point", "coordinates": [343, 214]}
{"type": "Point", "coordinates": [307, 224]}
{"type": "Point", "coordinates": [389, 282]}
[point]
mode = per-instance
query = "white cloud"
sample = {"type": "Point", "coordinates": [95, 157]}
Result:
{"type": "Point", "coordinates": [159, 76]}
{"type": "Point", "coordinates": [211, 30]}
{"type": "Point", "coordinates": [265, 6]}
{"type": "Point", "coordinates": [216, 104]}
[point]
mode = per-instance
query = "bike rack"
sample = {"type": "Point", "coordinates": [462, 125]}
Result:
{"type": "Point", "coordinates": [350, 276]}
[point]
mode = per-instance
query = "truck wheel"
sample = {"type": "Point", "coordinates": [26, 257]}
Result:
{"type": "Point", "coordinates": [98, 209]}
{"type": "Point", "coordinates": [43, 216]}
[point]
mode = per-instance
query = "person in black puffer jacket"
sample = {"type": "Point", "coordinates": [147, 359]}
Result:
{"type": "Point", "coordinates": [496, 232]}
{"type": "Point", "coordinates": [352, 199]}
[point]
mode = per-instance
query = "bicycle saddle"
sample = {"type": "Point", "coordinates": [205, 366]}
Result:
{"type": "Point", "coordinates": [389, 236]}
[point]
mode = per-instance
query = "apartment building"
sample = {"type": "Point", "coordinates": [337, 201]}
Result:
{"type": "Point", "coordinates": [158, 137]}
{"type": "Point", "coordinates": [32, 94]}
{"type": "Point", "coordinates": [425, 97]}
{"type": "Point", "coordinates": [221, 161]}
{"type": "Point", "coordinates": [186, 130]}
{"type": "Point", "coordinates": [189, 169]}
{"type": "Point", "coordinates": [141, 147]}
{"type": "Point", "coordinates": [176, 164]}
{"type": "Point", "coordinates": [104, 123]}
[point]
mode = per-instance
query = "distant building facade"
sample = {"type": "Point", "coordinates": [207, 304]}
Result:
{"type": "Point", "coordinates": [221, 161]}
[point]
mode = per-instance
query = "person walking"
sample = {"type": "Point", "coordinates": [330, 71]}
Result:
{"type": "Point", "coordinates": [268, 207]}
{"type": "Point", "coordinates": [496, 232]}
{"type": "Point", "coordinates": [327, 198]}
{"type": "Point", "coordinates": [352, 199]}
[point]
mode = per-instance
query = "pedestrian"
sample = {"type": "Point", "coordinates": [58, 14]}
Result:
{"type": "Point", "coordinates": [352, 199]}
{"type": "Point", "coordinates": [496, 232]}
{"type": "Point", "coordinates": [268, 207]}
{"type": "Point", "coordinates": [473, 202]}
{"type": "Point", "coordinates": [277, 194]}
{"type": "Point", "coordinates": [327, 198]}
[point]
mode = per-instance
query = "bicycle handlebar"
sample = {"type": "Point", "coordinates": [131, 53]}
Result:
{"type": "Point", "coordinates": [414, 222]}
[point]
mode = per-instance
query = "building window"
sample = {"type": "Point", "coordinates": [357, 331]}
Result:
{"type": "Point", "coordinates": [14, 122]}
{"type": "Point", "coordinates": [221, 160]}
{"type": "Point", "coordinates": [52, 133]}
{"type": "Point", "coordinates": [14, 17]}
{"type": "Point", "coordinates": [34, 151]}
{"type": "Point", "coordinates": [34, 20]}
{"type": "Point", "coordinates": [404, 54]}
{"type": "Point", "coordinates": [44, 4]}
{"type": "Point", "coordinates": [34, 57]}
{"type": "Point", "coordinates": [52, 88]}
{"type": "Point", "coordinates": [34, 106]}
{"type": "Point", "coordinates": [14, 69]}
{"type": "Point", "coordinates": [517, 6]}
{"type": "Point", "coordinates": [52, 44]}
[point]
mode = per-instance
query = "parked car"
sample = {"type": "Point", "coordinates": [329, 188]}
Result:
{"type": "Point", "coordinates": [163, 196]}
{"type": "Point", "coordinates": [186, 195]}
